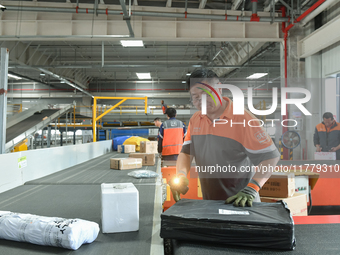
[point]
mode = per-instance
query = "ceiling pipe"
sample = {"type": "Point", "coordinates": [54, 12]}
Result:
{"type": "Point", "coordinates": [254, 16]}
{"type": "Point", "coordinates": [320, 9]}
{"type": "Point", "coordinates": [126, 17]}
{"type": "Point", "coordinates": [144, 13]}
{"type": "Point", "coordinates": [285, 30]}
{"type": "Point", "coordinates": [141, 66]}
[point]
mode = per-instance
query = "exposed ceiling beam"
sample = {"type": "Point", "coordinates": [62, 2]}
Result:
{"type": "Point", "coordinates": [202, 4]}
{"type": "Point", "coordinates": [33, 57]}
{"type": "Point", "coordinates": [268, 5]}
{"type": "Point", "coordinates": [236, 4]}
{"type": "Point", "coordinates": [168, 3]}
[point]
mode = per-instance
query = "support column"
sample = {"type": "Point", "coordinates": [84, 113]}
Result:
{"type": "Point", "coordinates": [3, 97]}
{"type": "Point", "coordinates": [295, 78]}
{"type": "Point", "coordinates": [31, 142]}
{"type": "Point", "coordinates": [42, 138]}
{"type": "Point", "coordinates": [74, 137]}
{"type": "Point", "coordinates": [48, 137]}
{"type": "Point", "coordinates": [66, 128]}
{"type": "Point", "coordinates": [61, 138]}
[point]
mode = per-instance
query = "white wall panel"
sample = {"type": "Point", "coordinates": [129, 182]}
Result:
{"type": "Point", "coordinates": [331, 60]}
{"type": "Point", "coordinates": [43, 162]}
{"type": "Point", "coordinates": [9, 171]}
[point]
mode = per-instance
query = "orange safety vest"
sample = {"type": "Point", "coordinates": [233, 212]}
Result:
{"type": "Point", "coordinates": [172, 137]}
{"type": "Point", "coordinates": [164, 108]}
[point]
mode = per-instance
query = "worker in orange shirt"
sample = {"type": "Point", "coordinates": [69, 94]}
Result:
{"type": "Point", "coordinates": [171, 135]}
{"type": "Point", "coordinates": [164, 107]}
{"type": "Point", "coordinates": [326, 135]}
{"type": "Point", "coordinates": [216, 147]}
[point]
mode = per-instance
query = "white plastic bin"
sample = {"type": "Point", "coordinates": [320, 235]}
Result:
{"type": "Point", "coordinates": [120, 207]}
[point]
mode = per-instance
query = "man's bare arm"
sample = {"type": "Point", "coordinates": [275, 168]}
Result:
{"type": "Point", "coordinates": [261, 177]}
{"type": "Point", "coordinates": [183, 164]}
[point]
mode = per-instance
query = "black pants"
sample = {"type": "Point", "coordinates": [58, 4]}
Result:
{"type": "Point", "coordinates": [170, 157]}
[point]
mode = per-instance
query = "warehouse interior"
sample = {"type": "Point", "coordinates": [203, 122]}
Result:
{"type": "Point", "coordinates": [71, 84]}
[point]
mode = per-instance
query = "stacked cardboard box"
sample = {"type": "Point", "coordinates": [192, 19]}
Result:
{"type": "Point", "coordinates": [297, 203]}
{"type": "Point", "coordinates": [148, 147]}
{"type": "Point", "coordinates": [128, 148]}
{"type": "Point", "coordinates": [125, 163]}
{"type": "Point", "coordinates": [148, 159]}
{"type": "Point", "coordinates": [281, 186]}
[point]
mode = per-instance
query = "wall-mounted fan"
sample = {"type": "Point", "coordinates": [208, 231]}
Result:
{"type": "Point", "coordinates": [291, 139]}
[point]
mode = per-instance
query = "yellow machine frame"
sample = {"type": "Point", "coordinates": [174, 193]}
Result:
{"type": "Point", "coordinates": [123, 99]}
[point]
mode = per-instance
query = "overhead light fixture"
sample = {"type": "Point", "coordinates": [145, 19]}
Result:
{"type": "Point", "coordinates": [132, 43]}
{"type": "Point", "coordinates": [184, 82]}
{"type": "Point", "coordinates": [257, 75]}
{"type": "Point", "coordinates": [42, 74]}
{"type": "Point", "coordinates": [143, 81]}
{"type": "Point", "coordinates": [143, 76]}
{"type": "Point", "coordinates": [62, 81]}
{"type": "Point", "coordinates": [14, 76]}
{"type": "Point", "coordinates": [2, 7]}
{"type": "Point", "coordinates": [188, 74]}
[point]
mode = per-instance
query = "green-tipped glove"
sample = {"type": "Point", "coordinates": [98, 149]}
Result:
{"type": "Point", "coordinates": [178, 185]}
{"type": "Point", "coordinates": [246, 195]}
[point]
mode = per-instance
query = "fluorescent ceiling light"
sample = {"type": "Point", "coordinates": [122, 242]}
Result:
{"type": "Point", "coordinates": [183, 81]}
{"type": "Point", "coordinates": [188, 74]}
{"type": "Point", "coordinates": [1, 6]}
{"type": "Point", "coordinates": [256, 75]}
{"type": "Point", "coordinates": [143, 76]}
{"type": "Point", "coordinates": [132, 43]}
{"type": "Point", "coordinates": [42, 74]}
{"type": "Point", "coordinates": [14, 76]}
{"type": "Point", "coordinates": [144, 81]}
{"type": "Point", "coordinates": [62, 81]}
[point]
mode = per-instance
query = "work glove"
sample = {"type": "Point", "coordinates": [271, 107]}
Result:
{"type": "Point", "coordinates": [178, 185]}
{"type": "Point", "coordinates": [246, 195]}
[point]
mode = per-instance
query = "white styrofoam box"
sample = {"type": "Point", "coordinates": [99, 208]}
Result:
{"type": "Point", "coordinates": [120, 207]}
{"type": "Point", "coordinates": [324, 155]}
{"type": "Point", "coordinates": [302, 185]}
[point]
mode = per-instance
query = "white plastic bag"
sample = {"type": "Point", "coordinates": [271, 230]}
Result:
{"type": "Point", "coordinates": [143, 174]}
{"type": "Point", "coordinates": [50, 231]}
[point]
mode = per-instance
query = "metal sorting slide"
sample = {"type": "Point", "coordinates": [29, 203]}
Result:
{"type": "Point", "coordinates": [31, 121]}
{"type": "Point", "coordinates": [76, 193]}
{"type": "Point", "coordinates": [27, 127]}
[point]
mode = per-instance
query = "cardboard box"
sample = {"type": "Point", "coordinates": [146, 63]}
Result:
{"type": "Point", "coordinates": [120, 207]}
{"type": "Point", "coordinates": [149, 159]}
{"type": "Point", "coordinates": [148, 147]}
{"type": "Point", "coordinates": [125, 163]}
{"type": "Point", "coordinates": [302, 185]}
{"type": "Point", "coordinates": [325, 155]}
{"type": "Point", "coordinates": [297, 204]}
{"type": "Point", "coordinates": [128, 148]}
{"type": "Point", "coordinates": [279, 185]}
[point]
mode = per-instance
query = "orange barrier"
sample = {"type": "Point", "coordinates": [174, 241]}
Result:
{"type": "Point", "coordinates": [194, 191]}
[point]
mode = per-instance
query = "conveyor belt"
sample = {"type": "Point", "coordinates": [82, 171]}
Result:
{"type": "Point", "coordinates": [75, 193]}
{"type": "Point", "coordinates": [310, 239]}
{"type": "Point", "coordinates": [26, 124]}
{"type": "Point", "coordinates": [95, 171]}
